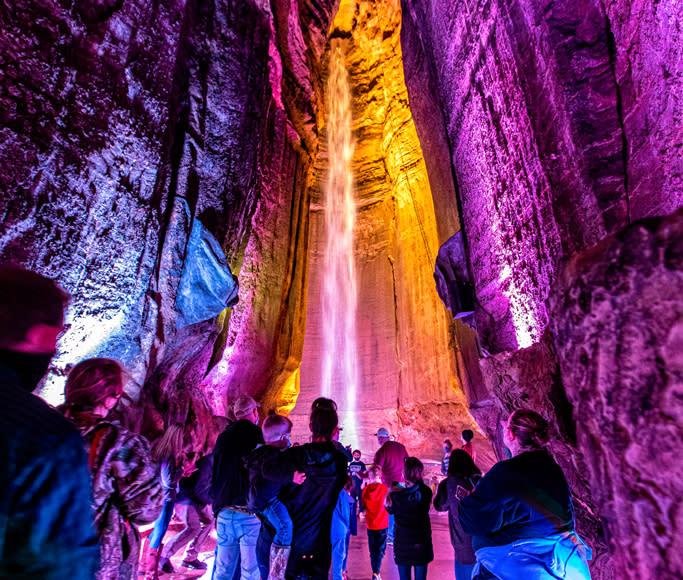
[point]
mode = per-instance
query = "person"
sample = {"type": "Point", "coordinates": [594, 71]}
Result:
{"type": "Point", "coordinates": [168, 452]}
{"type": "Point", "coordinates": [357, 470]}
{"type": "Point", "coordinates": [47, 521]}
{"type": "Point", "coordinates": [311, 504]}
{"type": "Point", "coordinates": [390, 458]}
{"type": "Point", "coordinates": [263, 492]}
{"type": "Point", "coordinates": [467, 437]}
{"type": "Point", "coordinates": [125, 479]}
{"type": "Point", "coordinates": [192, 507]}
{"type": "Point", "coordinates": [237, 526]}
{"type": "Point", "coordinates": [340, 534]}
{"type": "Point", "coordinates": [520, 515]}
{"type": "Point", "coordinates": [461, 480]}
{"type": "Point", "coordinates": [376, 520]}
{"type": "Point", "coordinates": [410, 505]}
{"type": "Point", "coordinates": [447, 448]}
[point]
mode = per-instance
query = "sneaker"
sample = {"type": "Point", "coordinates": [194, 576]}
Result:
{"type": "Point", "coordinates": [195, 564]}
{"type": "Point", "coordinates": [376, 576]}
{"type": "Point", "coordinates": [166, 566]}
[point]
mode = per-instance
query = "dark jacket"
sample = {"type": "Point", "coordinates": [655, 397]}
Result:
{"type": "Point", "coordinates": [196, 488]}
{"type": "Point", "coordinates": [413, 529]}
{"type": "Point", "coordinates": [262, 489]}
{"type": "Point", "coordinates": [450, 493]}
{"type": "Point", "coordinates": [523, 497]}
{"type": "Point", "coordinates": [46, 519]}
{"type": "Point", "coordinates": [230, 480]}
{"type": "Point", "coordinates": [311, 504]}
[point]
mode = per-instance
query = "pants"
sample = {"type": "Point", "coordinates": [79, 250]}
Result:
{"type": "Point", "coordinates": [276, 514]}
{"type": "Point", "coordinates": [161, 524]}
{"type": "Point", "coordinates": [197, 522]}
{"type": "Point", "coordinates": [377, 542]}
{"type": "Point", "coordinates": [339, 554]}
{"type": "Point", "coordinates": [237, 536]}
{"type": "Point", "coordinates": [404, 572]}
{"type": "Point", "coordinates": [463, 571]}
{"type": "Point", "coordinates": [390, 531]}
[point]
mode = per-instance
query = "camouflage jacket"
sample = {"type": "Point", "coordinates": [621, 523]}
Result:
{"type": "Point", "coordinates": [126, 493]}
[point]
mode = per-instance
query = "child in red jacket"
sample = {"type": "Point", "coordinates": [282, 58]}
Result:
{"type": "Point", "coordinates": [376, 519]}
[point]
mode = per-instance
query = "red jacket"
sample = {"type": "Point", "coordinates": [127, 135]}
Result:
{"type": "Point", "coordinates": [377, 517]}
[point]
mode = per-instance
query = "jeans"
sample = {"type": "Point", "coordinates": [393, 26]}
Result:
{"type": "Point", "coordinates": [197, 521]}
{"type": "Point", "coordinates": [161, 524]}
{"type": "Point", "coordinates": [237, 536]}
{"type": "Point", "coordinates": [390, 531]}
{"type": "Point", "coordinates": [404, 572]}
{"type": "Point", "coordinates": [276, 514]}
{"type": "Point", "coordinates": [463, 571]}
{"type": "Point", "coordinates": [377, 542]}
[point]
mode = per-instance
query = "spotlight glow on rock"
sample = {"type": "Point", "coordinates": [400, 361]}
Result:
{"type": "Point", "coordinates": [340, 289]}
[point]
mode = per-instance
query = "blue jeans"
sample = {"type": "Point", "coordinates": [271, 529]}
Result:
{"type": "Point", "coordinates": [390, 531]}
{"type": "Point", "coordinates": [237, 536]}
{"type": "Point", "coordinates": [161, 524]}
{"type": "Point", "coordinates": [339, 554]}
{"type": "Point", "coordinates": [276, 514]}
{"type": "Point", "coordinates": [463, 571]}
{"type": "Point", "coordinates": [377, 542]}
{"type": "Point", "coordinates": [404, 572]}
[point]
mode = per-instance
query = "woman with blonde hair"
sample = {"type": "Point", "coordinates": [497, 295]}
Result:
{"type": "Point", "coordinates": [126, 488]}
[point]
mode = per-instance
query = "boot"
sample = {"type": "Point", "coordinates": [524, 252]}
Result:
{"type": "Point", "coordinates": [278, 562]}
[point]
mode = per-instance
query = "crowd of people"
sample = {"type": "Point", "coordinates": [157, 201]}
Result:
{"type": "Point", "coordinates": [78, 485]}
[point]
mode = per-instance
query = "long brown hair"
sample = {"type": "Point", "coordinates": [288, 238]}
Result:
{"type": "Point", "coordinates": [170, 444]}
{"type": "Point", "coordinates": [91, 382]}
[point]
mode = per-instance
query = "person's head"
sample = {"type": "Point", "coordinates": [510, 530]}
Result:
{"type": "Point", "coordinates": [277, 430]}
{"type": "Point", "coordinates": [447, 446]}
{"type": "Point", "coordinates": [467, 435]}
{"type": "Point", "coordinates": [324, 422]}
{"type": "Point", "coordinates": [170, 446]}
{"type": "Point", "coordinates": [526, 430]}
{"type": "Point", "coordinates": [374, 474]}
{"type": "Point", "coordinates": [245, 408]}
{"type": "Point", "coordinates": [31, 311]}
{"type": "Point", "coordinates": [412, 470]}
{"type": "Point", "coordinates": [356, 454]}
{"type": "Point", "coordinates": [94, 386]}
{"type": "Point", "coordinates": [462, 465]}
{"type": "Point", "coordinates": [383, 435]}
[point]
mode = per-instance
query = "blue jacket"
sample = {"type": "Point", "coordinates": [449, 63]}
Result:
{"type": "Point", "coordinates": [46, 519]}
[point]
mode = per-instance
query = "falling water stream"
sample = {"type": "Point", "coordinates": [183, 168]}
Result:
{"type": "Point", "coordinates": [340, 288]}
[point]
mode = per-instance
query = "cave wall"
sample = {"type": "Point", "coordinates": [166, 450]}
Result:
{"type": "Point", "coordinates": [563, 129]}
{"type": "Point", "coordinates": [125, 122]}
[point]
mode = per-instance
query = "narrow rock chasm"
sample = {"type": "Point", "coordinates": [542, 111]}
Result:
{"type": "Point", "coordinates": [517, 175]}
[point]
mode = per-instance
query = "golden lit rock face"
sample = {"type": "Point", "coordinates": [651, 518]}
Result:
{"type": "Point", "coordinates": [408, 380]}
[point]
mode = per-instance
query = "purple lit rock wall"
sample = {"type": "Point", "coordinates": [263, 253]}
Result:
{"type": "Point", "coordinates": [563, 128]}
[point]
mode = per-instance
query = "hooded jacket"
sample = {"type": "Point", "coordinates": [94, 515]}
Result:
{"type": "Point", "coordinates": [311, 504]}
{"type": "Point", "coordinates": [413, 533]}
{"type": "Point", "coordinates": [376, 515]}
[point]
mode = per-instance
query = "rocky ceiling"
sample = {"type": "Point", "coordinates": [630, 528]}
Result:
{"type": "Point", "coordinates": [528, 153]}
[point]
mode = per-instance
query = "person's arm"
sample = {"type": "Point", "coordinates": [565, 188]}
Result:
{"type": "Point", "coordinates": [49, 531]}
{"type": "Point", "coordinates": [389, 503]}
{"type": "Point", "coordinates": [482, 511]}
{"type": "Point", "coordinates": [140, 495]}
{"type": "Point", "coordinates": [441, 498]}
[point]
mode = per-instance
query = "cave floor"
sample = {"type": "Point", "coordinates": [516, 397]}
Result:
{"type": "Point", "coordinates": [359, 557]}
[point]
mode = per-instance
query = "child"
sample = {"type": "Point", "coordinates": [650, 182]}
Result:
{"type": "Point", "coordinates": [467, 436]}
{"type": "Point", "coordinates": [377, 519]}
{"type": "Point", "coordinates": [263, 492]}
{"type": "Point", "coordinates": [410, 506]}
{"type": "Point", "coordinates": [341, 530]}
{"type": "Point", "coordinates": [357, 471]}
{"type": "Point", "coordinates": [447, 448]}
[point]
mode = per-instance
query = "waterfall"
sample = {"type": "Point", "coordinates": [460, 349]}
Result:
{"type": "Point", "coordinates": [340, 288]}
